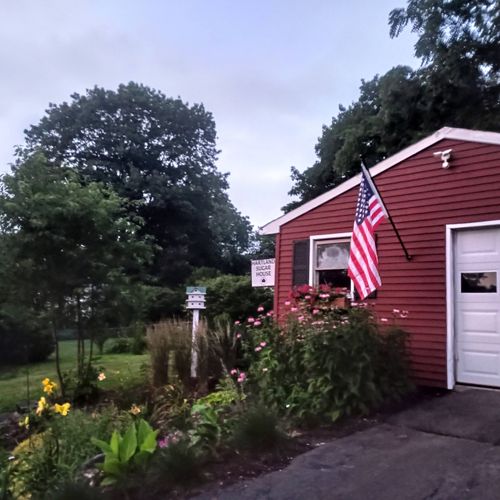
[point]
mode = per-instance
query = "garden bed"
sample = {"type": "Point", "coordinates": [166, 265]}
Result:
{"type": "Point", "coordinates": [232, 467]}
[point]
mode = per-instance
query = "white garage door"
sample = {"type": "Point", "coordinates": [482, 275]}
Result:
{"type": "Point", "coordinates": [477, 306]}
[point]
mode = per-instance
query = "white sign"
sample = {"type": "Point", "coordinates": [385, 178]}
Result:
{"type": "Point", "coordinates": [263, 272]}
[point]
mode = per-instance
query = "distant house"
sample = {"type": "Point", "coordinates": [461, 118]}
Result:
{"type": "Point", "coordinates": [448, 215]}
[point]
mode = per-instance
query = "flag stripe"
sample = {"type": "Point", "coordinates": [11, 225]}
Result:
{"type": "Point", "coordinates": [363, 259]}
{"type": "Point", "coordinates": [366, 265]}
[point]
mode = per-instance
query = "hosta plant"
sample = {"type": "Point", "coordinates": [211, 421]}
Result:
{"type": "Point", "coordinates": [123, 453]}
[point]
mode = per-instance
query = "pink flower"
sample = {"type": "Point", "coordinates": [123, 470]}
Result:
{"type": "Point", "coordinates": [269, 313]}
{"type": "Point", "coordinates": [307, 297]}
{"type": "Point", "coordinates": [260, 309]}
{"type": "Point", "coordinates": [287, 302]}
{"type": "Point", "coordinates": [257, 323]}
{"type": "Point", "coordinates": [250, 319]}
{"type": "Point", "coordinates": [315, 311]}
{"type": "Point", "coordinates": [242, 378]}
{"type": "Point", "coordinates": [234, 371]}
{"type": "Point", "coordinates": [236, 322]}
{"type": "Point", "coordinates": [384, 320]}
{"type": "Point", "coordinates": [263, 344]}
{"type": "Point", "coordinates": [169, 439]}
{"type": "Point", "coordinates": [324, 295]}
{"type": "Point", "coordinates": [301, 319]}
{"type": "Point", "coordinates": [258, 348]}
{"type": "Point", "coordinates": [238, 335]}
{"type": "Point", "coordinates": [294, 309]}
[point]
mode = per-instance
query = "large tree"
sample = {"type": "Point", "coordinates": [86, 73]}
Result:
{"type": "Point", "coordinates": [457, 85]}
{"type": "Point", "coordinates": [76, 255]}
{"type": "Point", "coordinates": [160, 152]}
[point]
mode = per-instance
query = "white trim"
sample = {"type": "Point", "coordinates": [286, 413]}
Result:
{"type": "Point", "coordinates": [312, 246]}
{"type": "Point", "coordinates": [450, 311]}
{"type": "Point", "coordinates": [450, 293]}
{"type": "Point", "coordinates": [459, 134]}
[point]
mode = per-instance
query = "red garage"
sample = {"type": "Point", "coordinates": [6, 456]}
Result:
{"type": "Point", "coordinates": [444, 196]}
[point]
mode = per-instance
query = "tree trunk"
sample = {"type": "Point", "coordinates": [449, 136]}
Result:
{"type": "Point", "coordinates": [58, 359]}
{"type": "Point", "coordinates": [81, 340]}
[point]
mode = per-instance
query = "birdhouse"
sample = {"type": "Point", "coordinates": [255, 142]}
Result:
{"type": "Point", "coordinates": [195, 297]}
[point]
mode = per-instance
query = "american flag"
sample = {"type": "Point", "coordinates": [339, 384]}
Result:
{"type": "Point", "coordinates": [363, 260]}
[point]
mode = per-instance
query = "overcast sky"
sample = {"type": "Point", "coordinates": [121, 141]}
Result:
{"type": "Point", "coordinates": [271, 72]}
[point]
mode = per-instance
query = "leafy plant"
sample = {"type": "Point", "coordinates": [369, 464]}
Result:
{"type": "Point", "coordinates": [178, 463]}
{"type": "Point", "coordinates": [120, 345]}
{"type": "Point", "coordinates": [171, 408]}
{"type": "Point", "coordinates": [76, 490]}
{"type": "Point", "coordinates": [233, 298]}
{"type": "Point", "coordinates": [123, 453]}
{"type": "Point", "coordinates": [206, 433]}
{"type": "Point", "coordinates": [221, 399]}
{"type": "Point", "coordinates": [326, 362]}
{"type": "Point", "coordinates": [4, 476]}
{"type": "Point", "coordinates": [257, 430]}
{"type": "Point", "coordinates": [52, 458]}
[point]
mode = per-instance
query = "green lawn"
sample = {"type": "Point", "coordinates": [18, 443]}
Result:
{"type": "Point", "coordinates": [121, 370]}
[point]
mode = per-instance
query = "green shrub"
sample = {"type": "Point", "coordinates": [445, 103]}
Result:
{"type": "Point", "coordinates": [75, 490]}
{"type": "Point", "coordinates": [138, 344]}
{"type": "Point", "coordinates": [233, 297]}
{"type": "Point", "coordinates": [326, 362]}
{"type": "Point", "coordinates": [257, 430]}
{"type": "Point", "coordinates": [24, 336]}
{"type": "Point", "coordinates": [55, 456]}
{"type": "Point", "coordinates": [178, 463]}
{"type": "Point", "coordinates": [121, 345]}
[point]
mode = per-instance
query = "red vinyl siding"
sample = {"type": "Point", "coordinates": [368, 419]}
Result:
{"type": "Point", "coordinates": [422, 198]}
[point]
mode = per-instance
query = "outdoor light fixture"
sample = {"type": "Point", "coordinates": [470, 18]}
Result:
{"type": "Point", "coordinates": [445, 157]}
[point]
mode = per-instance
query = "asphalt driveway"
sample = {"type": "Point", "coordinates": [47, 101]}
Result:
{"type": "Point", "coordinates": [447, 448]}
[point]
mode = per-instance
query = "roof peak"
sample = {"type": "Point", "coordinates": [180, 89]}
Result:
{"type": "Point", "coordinates": [460, 134]}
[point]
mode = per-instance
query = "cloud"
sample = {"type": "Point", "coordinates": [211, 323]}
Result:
{"type": "Point", "coordinates": [271, 72]}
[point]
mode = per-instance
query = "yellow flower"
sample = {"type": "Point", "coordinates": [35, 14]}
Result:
{"type": "Point", "coordinates": [42, 405]}
{"type": "Point", "coordinates": [25, 423]}
{"type": "Point", "coordinates": [135, 410]}
{"type": "Point", "coordinates": [101, 377]}
{"type": "Point", "coordinates": [62, 409]}
{"type": "Point", "coordinates": [48, 385]}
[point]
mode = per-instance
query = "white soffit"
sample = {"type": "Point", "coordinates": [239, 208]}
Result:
{"type": "Point", "coordinates": [459, 134]}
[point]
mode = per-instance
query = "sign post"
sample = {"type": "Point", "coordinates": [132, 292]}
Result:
{"type": "Point", "coordinates": [195, 302]}
{"type": "Point", "coordinates": [263, 272]}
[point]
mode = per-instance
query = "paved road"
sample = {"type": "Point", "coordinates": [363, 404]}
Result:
{"type": "Point", "coordinates": [446, 448]}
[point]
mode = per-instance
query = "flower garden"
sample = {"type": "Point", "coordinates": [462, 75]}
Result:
{"type": "Point", "coordinates": [260, 379]}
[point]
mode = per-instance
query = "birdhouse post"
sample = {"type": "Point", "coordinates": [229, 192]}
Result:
{"type": "Point", "coordinates": [195, 302]}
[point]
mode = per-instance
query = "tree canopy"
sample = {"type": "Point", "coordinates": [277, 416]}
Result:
{"type": "Point", "coordinates": [160, 153]}
{"type": "Point", "coordinates": [457, 85]}
{"type": "Point", "coordinates": [74, 254]}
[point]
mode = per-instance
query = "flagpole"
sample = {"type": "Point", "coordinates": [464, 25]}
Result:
{"type": "Point", "coordinates": [370, 178]}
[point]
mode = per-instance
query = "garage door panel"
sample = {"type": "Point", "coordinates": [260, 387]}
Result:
{"type": "Point", "coordinates": [474, 245]}
{"type": "Point", "coordinates": [479, 324]}
{"type": "Point", "coordinates": [480, 364]}
{"type": "Point", "coordinates": [477, 306]}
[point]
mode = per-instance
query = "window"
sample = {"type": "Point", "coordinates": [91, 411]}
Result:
{"type": "Point", "coordinates": [329, 259]}
{"type": "Point", "coordinates": [485, 282]}
{"type": "Point", "coordinates": [330, 263]}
